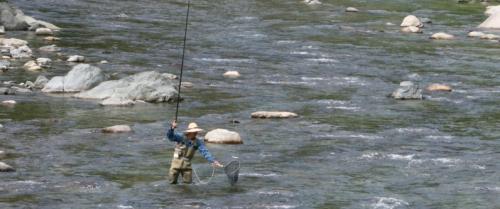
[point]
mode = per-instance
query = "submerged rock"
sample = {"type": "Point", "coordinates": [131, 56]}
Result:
{"type": "Point", "coordinates": [51, 38]}
{"type": "Point", "coordinates": [273, 114]}
{"type": "Point", "coordinates": [76, 58]}
{"type": "Point", "coordinates": [117, 129]}
{"type": "Point", "coordinates": [492, 22]}
{"type": "Point", "coordinates": [490, 36]}
{"type": "Point", "coordinates": [9, 103]}
{"type": "Point", "coordinates": [50, 48]}
{"type": "Point", "coordinates": [223, 136]}
{"type": "Point", "coordinates": [2, 153]}
{"type": "Point", "coordinates": [21, 52]}
{"type": "Point", "coordinates": [411, 20]}
{"type": "Point", "coordinates": [148, 86]}
{"type": "Point", "coordinates": [407, 90]}
{"type": "Point", "coordinates": [411, 29]}
{"type": "Point", "coordinates": [80, 78]}
{"type": "Point", "coordinates": [442, 36]}
{"type": "Point", "coordinates": [312, 2]}
{"type": "Point", "coordinates": [32, 66]}
{"type": "Point", "coordinates": [117, 102]}
{"type": "Point", "coordinates": [231, 74]}
{"type": "Point", "coordinates": [44, 62]}
{"type": "Point", "coordinates": [6, 168]}
{"type": "Point", "coordinates": [438, 87]}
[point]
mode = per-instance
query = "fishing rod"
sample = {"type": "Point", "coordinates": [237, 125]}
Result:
{"type": "Point", "coordinates": [182, 63]}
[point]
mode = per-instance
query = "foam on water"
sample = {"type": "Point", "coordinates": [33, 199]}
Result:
{"type": "Point", "coordinates": [323, 60]}
{"type": "Point", "coordinates": [224, 60]}
{"type": "Point", "coordinates": [259, 174]}
{"type": "Point", "coordinates": [389, 203]}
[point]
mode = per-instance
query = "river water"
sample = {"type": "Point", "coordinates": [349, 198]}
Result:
{"type": "Point", "coordinates": [351, 147]}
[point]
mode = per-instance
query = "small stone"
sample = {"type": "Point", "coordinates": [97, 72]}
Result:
{"type": "Point", "coordinates": [117, 102]}
{"type": "Point", "coordinates": [21, 52]}
{"type": "Point", "coordinates": [2, 30]}
{"type": "Point", "coordinates": [438, 87]}
{"type": "Point", "coordinates": [442, 36]}
{"type": "Point", "coordinates": [475, 34]}
{"type": "Point", "coordinates": [29, 84]}
{"type": "Point", "coordinates": [187, 85]}
{"type": "Point", "coordinates": [6, 168]}
{"type": "Point", "coordinates": [44, 62]}
{"type": "Point", "coordinates": [50, 48]}
{"type": "Point", "coordinates": [407, 90]}
{"type": "Point", "coordinates": [412, 20]}
{"type": "Point", "coordinates": [312, 2]}
{"type": "Point", "coordinates": [9, 103]}
{"type": "Point", "coordinates": [2, 153]}
{"type": "Point", "coordinates": [13, 42]}
{"type": "Point", "coordinates": [351, 9]}
{"type": "Point", "coordinates": [104, 62]}
{"type": "Point", "coordinates": [44, 32]}
{"type": "Point", "coordinates": [411, 29]}
{"type": "Point", "coordinates": [273, 114]}
{"type": "Point", "coordinates": [76, 58]}
{"type": "Point", "coordinates": [223, 136]}
{"type": "Point", "coordinates": [389, 24]}
{"type": "Point", "coordinates": [232, 74]}
{"type": "Point", "coordinates": [117, 129]}
{"type": "Point", "coordinates": [426, 20]}
{"type": "Point", "coordinates": [4, 65]}
{"type": "Point", "coordinates": [7, 91]}
{"type": "Point", "coordinates": [32, 66]}
{"type": "Point", "coordinates": [51, 38]}
{"type": "Point", "coordinates": [490, 37]}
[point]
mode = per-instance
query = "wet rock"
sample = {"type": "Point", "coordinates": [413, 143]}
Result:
{"type": "Point", "coordinates": [35, 24]}
{"type": "Point", "coordinates": [4, 65]}
{"type": "Point", "coordinates": [80, 78]}
{"type": "Point", "coordinates": [29, 84]}
{"type": "Point", "coordinates": [411, 29]}
{"type": "Point", "coordinates": [490, 37]}
{"type": "Point", "coordinates": [7, 91]}
{"type": "Point", "coordinates": [117, 102]}
{"type": "Point", "coordinates": [2, 153]}
{"type": "Point", "coordinates": [44, 32]}
{"type": "Point", "coordinates": [104, 62]}
{"type": "Point", "coordinates": [12, 18]}
{"type": "Point", "coordinates": [50, 48]}
{"type": "Point", "coordinates": [4, 167]}
{"type": "Point", "coordinates": [187, 85]}
{"type": "Point", "coordinates": [442, 36]}
{"type": "Point", "coordinates": [389, 24]}
{"type": "Point", "coordinates": [21, 52]}
{"type": "Point", "coordinates": [407, 90]}
{"type": "Point", "coordinates": [411, 20]}
{"type": "Point", "coordinates": [425, 20]}
{"type": "Point", "coordinates": [475, 34]}
{"type": "Point", "coordinates": [32, 66]}
{"type": "Point", "coordinates": [492, 10]}
{"type": "Point", "coordinates": [438, 87]}
{"type": "Point", "coordinates": [9, 103]}
{"type": "Point", "coordinates": [231, 74]}
{"type": "Point", "coordinates": [2, 30]}
{"type": "Point", "coordinates": [40, 82]}
{"type": "Point", "coordinates": [148, 86]}
{"type": "Point", "coordinates": [14, 42]}
{"type": "Point", "coordinates": [76, 58]}
{"type": "Point", "coordinates": [351, 9]}
{"type": "Point", "coordinates": [20, 90]}
{"type": "Point", "coordinates": [273, 114]}
{"type": "Point", "coordinates": [223, 136]}
{"type": "Point", "coordinates": [117, 129]}
{"type": "Point", "coordinates": [312, 2]}
{"type": "Point", "coordinates": [51, 38]}
{"type": "Point", "coordinates": [44, 62]}
{"type": "Point", "coordinates": [492, 22]}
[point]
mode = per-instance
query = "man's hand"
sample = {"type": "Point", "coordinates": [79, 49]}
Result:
{"type": "Point", "coordinates": [217, 164]}
{"type": "Point", "coordinates": [173, 125]}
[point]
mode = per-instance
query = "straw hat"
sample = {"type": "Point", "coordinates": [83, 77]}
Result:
{"type": "Point", "coordinates": [193, 128]}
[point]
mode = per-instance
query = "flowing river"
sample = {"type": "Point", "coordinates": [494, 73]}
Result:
{"type": "Point", "coordinates": [351, 147]}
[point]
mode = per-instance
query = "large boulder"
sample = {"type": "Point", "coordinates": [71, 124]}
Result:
{"type": "Point", "coordinates": [223, 136]}
{"type": "Point", "coordinates": [492, 22]}
{"type": "Point", "coordinates": [14, 19]}
{"type": "Point", "coordinates": [80, 78]}
{"type": "Point", "coordinates": [273, 114]}
{"type": "Point", "coordinates": [148, 86]}
{"type": "Point", "coordinates": [407, 90]}
{"type": "Point", "coordinates": [492, 10]}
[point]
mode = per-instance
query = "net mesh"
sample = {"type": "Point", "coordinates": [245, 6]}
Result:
{"type": "Point", "coordinates": [232, 170]}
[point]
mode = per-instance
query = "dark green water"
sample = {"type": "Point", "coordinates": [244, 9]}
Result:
{"type": "Point", "coordinates": [351, 147]}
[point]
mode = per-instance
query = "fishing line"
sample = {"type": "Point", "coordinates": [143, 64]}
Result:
{"type": "Point", "coordinates": [182, 63]}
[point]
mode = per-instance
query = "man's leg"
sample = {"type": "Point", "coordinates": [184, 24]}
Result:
{"type": "Point", "coordinates": [187, 176]}
{"type": "Point", "coordinates": [173, 175]}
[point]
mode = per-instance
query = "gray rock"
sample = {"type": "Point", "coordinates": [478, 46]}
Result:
{"type": "Point", "coordinates": [4, 65]}
{"type": "Point", "coordinates": [407, 90]}
{"type": "Point", "coordinates": [44, 32]}
{"type": "Point", "coordinates": [80, 78]}
{"type": "Point", "coordinates": [29, 84]}
{"type": "Point", "coordinates": [223, 136]}
{"type": "Point", "coordinates": [76, 58]}
{"type": "Point", "coordinates": [274, 114]}
{"type": "Point", "coordinates": [44, 62]}
{"type": "Point", "coordinates": [148, 86]}
{"type": "Point", "coordinates": [20, 90]}
{"type": "Point", "coordinates": [40, 82]}
{"type": "Point", "coordinates": [7, 91]}
{"type": "Point", "coordinates": [117, 102]}
{"type": "Point", "coordinates": [6, 168]}
{"type": "Point", "coordinates": [21, 52]}
{"type": "Point", "coordinates": [117, 129]}
{"type": "Point", "coordinates": [2, 153]}
{"type": "Point", "coordinates": [2, 30]}
{"type": "Point", "coordinates": [35, 24]}
{"type": "Point", "coordinates": [12, 18]}
{"type": "Point", "coordinates": [50, 48]}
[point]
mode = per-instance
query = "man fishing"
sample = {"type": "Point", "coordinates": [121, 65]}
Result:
{"type": "Point", "coordinates": [186, 146]}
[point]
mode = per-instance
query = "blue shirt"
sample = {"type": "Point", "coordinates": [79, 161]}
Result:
{"type": "Point", "coordinates": [179, 138]}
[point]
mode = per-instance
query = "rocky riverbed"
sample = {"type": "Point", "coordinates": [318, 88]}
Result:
{"type": "Point", "coordinates": [326, 104]}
